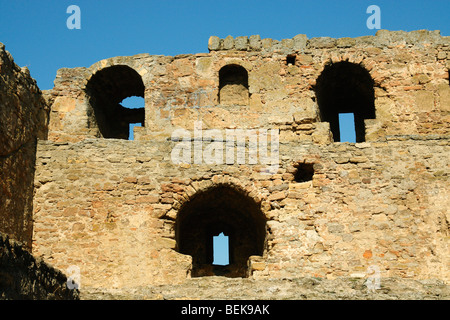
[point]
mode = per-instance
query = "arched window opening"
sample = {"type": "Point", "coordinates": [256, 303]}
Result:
{"type": "Point", "coordinates": [133, 103]}
{"type": "Point", "coordinates": [345, 88]}
{"type": "Point", "coordinates": [107, 90]}
{"type": "Point", "coordinates": [233, 85]}
{"type": "Point", "coordinates": [220, 210]}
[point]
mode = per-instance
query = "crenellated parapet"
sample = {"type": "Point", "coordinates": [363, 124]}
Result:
{"type": "Point", "coordinates": [300, 42]}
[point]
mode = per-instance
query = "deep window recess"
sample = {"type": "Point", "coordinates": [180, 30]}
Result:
{"type": "Point", "coordinates": [290, 59]}
{"type": "Point", "coordinates": [107, 89]}
{"type": "Point", "coordinates": [221, 209]}
{"type": "Point", "coordinates": [304, 172]}
{"type": "Point", "coordinates": [345, 87]}
{"type": "Point", "coordinates": [233, 85]}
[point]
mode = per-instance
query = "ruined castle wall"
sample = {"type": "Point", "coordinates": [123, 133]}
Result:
{"type": "Point", "coordinates": [23, 117]}
{"type": "Point", "coordinates": [410, 71]}
{"type": "Point", "coordinates": [97, 206]}
{"type": "Point", "coordinates": [110, 207]}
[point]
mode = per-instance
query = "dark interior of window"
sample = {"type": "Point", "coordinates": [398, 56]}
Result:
{"type": "Point", "coordinates": [290, 59]}
{"type": "Point", "coordinates": [107, 89]}
{"type": "Point", "coordinates": [304, 172]}
{"type": "Point", "coordinates": [233, 85]}
{"type": "Point", "coordinates": [345, 87]}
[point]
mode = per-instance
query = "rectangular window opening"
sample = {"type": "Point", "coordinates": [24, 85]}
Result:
{"type": "Point", "coordinates": [347, 127]}
{"type": "Point", "coordinates": [221, 250]}
{"type": "Point", "coordinates": [131, 133]}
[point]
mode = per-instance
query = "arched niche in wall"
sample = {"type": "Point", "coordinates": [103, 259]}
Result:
{"type": "Point", "coordinates": [233, 85]}
{"type": "Point", "coordinates": [344, 87]}
{"type": "Point", "coordinates": [106, 89]}
{"type": "Point", "coordinates": [220, 209]}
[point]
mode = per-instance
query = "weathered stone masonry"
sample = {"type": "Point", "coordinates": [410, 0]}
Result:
{"type": "Point", "coordinates": [409, 71]}
{"type": "Point", "coordinates": [129, 217]}
{"type": "Point", "coordinates": [22, 276]}
{"type": "Point", "coordinates": [355, 212]}
{"type": "Point", "coordinates": [23, 118]}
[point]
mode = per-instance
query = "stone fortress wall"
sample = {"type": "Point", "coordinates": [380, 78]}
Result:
{"type": "Point", "coordinates": [128, 216]}
{"type": "Point", "coordinates": [409, 73]}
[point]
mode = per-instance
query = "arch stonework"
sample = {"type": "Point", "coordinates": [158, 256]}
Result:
{"type": "Point", "coordinates": [187, 192]}
{"type": "Point", "coordinates": [212, 208]}
{"type": "Point", "coordinates": [230, 61]}
{"type": "Point", "coordinates": [105, 91]}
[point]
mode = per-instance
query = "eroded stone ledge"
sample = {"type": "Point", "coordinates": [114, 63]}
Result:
{"type": "Point", "coordinates": [301, 42]}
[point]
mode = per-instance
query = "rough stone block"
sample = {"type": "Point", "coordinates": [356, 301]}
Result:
{"type": "Point", "coordinates": [277, 196]}
{"type": "Point", "coordinates": [287, 43]}
{"type": "Point", "coordinates": [322, 42]}
{"type": "Point", "coordinates": [266, 43]}
{"type": "Point", "coordinates": [255, 42]}
{"type": "Point", "coordinates": [364, 41]}
{"type": "Point", "coordinates": [228, 43]}
{"type": "Point", "coordinates": [214, 43]}
{"type": "Point", "coordinates": [384, 108]}
{"type": "Point", "coordinates": [300, 42]}
{"type": "Point", "coordinates": [241, 43]}
{"type": "Point", "coordinates": [345, 42]}
{"type": "Point", "coordinates": [444, 97]}
{"type": "Point", "coordinates": [424, 100]}
{"type": "Point", "coordinates": [442, 55]}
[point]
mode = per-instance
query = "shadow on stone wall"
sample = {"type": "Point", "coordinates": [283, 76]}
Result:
{"type": "Point", "coordinates": [23, 120]}
{"type": "Point", "coordinates": [23, 277]}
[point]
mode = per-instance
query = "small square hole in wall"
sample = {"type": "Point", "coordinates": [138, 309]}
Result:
{"type": "Point", "coordinates": [290, 59]}
{"type": "Point", "coordinates": [304, 172]}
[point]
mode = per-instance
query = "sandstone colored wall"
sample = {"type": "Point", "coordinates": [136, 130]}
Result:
{"type": "Point", "coordinates": [110, 207]}
{"type": "Point", "coordinates": [219, 288]}
{"type": "Point", "coordinates": [410, 72]}
{"type": "Point", "coordinates": [23, 118]}
{"type": "Point", "coordinates": [22, 277]}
